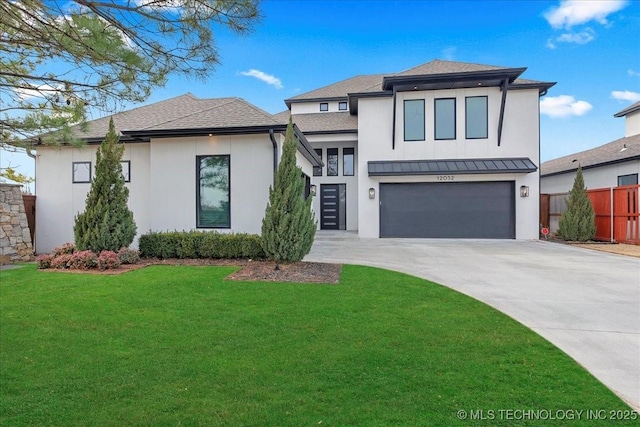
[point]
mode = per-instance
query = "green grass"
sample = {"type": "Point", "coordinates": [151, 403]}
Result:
{"type": "Point", "coordinates": [169, 346]}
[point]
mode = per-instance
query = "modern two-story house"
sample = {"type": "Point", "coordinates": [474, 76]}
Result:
{"type": "Point", "coordinates": [442, 150]}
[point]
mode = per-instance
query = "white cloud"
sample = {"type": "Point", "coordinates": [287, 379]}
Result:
{"type": "Point", "coordinates": [582, 37]}
{"type": "Point", "coordinates": [578, 12]}
{"type": "Point", "coordinates": [633, 73]}
{"type": "Point", "coordinates": [267, 78]}
{"type": "Point", "coordinates": [563, 106]}
{"type": "Point", "coordinates": [625, 95]}
{"type": "Point", "coordinates": [37, 91]}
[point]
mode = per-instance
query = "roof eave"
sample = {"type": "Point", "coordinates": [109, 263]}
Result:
{"type": "Point", "coordinates": [595, 165]}
{"type": "Point", "coordinates": [468, 76]}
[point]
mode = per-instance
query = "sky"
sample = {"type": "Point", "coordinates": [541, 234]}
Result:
{"type": "Point", "coordinates": [590, 48]}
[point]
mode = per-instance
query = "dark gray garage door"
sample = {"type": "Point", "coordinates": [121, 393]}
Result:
{"type": "Point", "coordinates": [484, 210]}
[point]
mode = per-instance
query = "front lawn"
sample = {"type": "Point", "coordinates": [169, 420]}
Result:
{"type": "Point", "coordinates": [176, 345]}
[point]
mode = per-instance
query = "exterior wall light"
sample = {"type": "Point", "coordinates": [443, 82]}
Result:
{"type": "Point", "coordinates": [372, 193]}
{"type": "Point", "coordinates": [524, 191]}
{"type": "Point", "coordinates": [312, 190]}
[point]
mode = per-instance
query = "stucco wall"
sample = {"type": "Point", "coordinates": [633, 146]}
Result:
{"type": "Point", "coordinates": [520, 138]}
{"type": "Point", "coordinates": [314, 107]}
{"type": "Point", "coordinates": [632, 124]}
{"type": "Point", "coordinates": [600, 177]}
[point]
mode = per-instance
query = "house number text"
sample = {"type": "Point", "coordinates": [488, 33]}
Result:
{"type": "Point", "coordinates": [445, 177]}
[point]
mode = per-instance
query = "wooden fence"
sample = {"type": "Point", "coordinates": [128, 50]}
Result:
{"type": "Point", "coordinates": [617, 212]}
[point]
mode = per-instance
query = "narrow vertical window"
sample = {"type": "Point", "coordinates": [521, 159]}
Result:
{"type": "Point", "coordinates": [414, 120]}
{"type": "Point", "coordinates": [81, 172]}
{"type": "Point", "coordinates": [332, 162]}
{"type": "Point", "coordinates": [347, 162]}
{"type": "Point", "coordinates": [477, 118]}
{"type": "Point", "coordinates": [445, 118]}
{"type": "Point", "coordinates": [324, 106]}
{"type": "Point", "coordinates": [212, 192]}
{"type": "Point", "coordinates": [126, 170]}
{"type": "Point", "coordinates": [342, 106]}
{"type": "Point", "coordinates": [317, 170]}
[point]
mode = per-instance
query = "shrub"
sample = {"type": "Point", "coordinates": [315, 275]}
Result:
{"type": "Point", "coordinates": [67, 248]}
{"type": "Point", "coordinates": [128, 256]}
{"type": "Point", "coordinates": [197, 244]}
{"type": "Point", "coordinates": [83, 260]}
{"type": "Point", "coordinates": [61, 261]}
{"type": "Point", "coordinates": [108, 260]}
{"type": "Point", "coordinates": [578, 223]}
{"type": "Point", "coordinates": [44, 261]}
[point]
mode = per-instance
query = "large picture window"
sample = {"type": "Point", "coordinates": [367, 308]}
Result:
{"type": "Point", "coordinates": [212, 188]}
{"type": "Point", "coordinates": [414, 120]}
{"type": "Point", "coordinates": [477, 118]}
{"type": "Point", "coordinates": [445, 118]}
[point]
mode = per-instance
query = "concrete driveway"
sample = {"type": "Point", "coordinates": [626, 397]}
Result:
{"type": "Point", "coordinates": [585, 302]}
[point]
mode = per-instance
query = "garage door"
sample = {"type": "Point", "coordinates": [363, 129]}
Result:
{"type": "Point", "coordinates": [484, 210]}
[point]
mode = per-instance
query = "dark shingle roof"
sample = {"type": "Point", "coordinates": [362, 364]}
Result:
{"type": "Point", "coordinates": [620, 150]}
{"type": "Point", "coordinates": [630, 109]}
{"type": "Point", "coordinates": [363, 83]}
{"type": "Point", "coordinates": [182, 112]}
{"type": "Point", "coordinates": [321, 122]}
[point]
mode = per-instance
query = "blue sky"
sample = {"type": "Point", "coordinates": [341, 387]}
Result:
{"type": "Point", "coordinates": [590, 48]}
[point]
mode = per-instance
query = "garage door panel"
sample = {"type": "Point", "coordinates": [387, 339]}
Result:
{"type": "Point", "coordinates": [448, 210]}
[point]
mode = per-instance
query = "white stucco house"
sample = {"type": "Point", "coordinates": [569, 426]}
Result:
{"type": "Point", "coordinates": [614, 164]}
{"type": "Point", "coordinates": [445, 149]}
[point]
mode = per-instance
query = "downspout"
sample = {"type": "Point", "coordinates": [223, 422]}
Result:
{"type": "Point", "coordinates": [393, 136]}
{"type": "Point", "coordinates": [275, 154]}
{"type": "Point", "coordinates": [505, 86]}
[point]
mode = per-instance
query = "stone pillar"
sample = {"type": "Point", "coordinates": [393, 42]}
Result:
{"type": "Point", "coordinates": [15, 239]}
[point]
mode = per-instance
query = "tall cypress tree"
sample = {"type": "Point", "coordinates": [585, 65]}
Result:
{"type": "Point", "coordinates": [578, 223]}
{"type": "Point", "coordinates": [107, 223]}
{"type": "Point", "coordinates": [289, 226]}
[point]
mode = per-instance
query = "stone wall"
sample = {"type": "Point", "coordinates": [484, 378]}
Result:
{"type": "Point", "coordinates": [15, 239]}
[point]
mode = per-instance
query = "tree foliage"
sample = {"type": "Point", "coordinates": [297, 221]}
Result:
{"type": "Point", "coordinates": [58, 58]}
{"type": "Point", "coordinates": [288, 227]}
{"type": "Point", "coordinates": [107, 223]}
{"type": "Point", "coordinates": [578, 223]}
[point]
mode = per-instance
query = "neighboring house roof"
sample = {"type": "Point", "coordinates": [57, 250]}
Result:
{"type": "Point", "coordinates": [322, 122]}
{"type": "Point", "coordinates": [620, 150]}
{"type": "Point", "coordinates": [630, 109]}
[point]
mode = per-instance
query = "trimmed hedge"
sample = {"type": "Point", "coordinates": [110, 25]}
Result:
{"type": "Point", "coordinates": [198, 244]}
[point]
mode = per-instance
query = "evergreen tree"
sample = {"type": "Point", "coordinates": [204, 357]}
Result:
{"type": "Point", "coordinates": [107, 223]}
{"type": "Point", "coordinates": [578, 223]}
{"type": "Point", "coordinates": [289, 226]}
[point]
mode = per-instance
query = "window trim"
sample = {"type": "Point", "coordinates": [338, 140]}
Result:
{"type": "Point", "coordinates": [342, 104]}
{"type": "Point", "coordinates": [353, 161]}
{"type": "Point", "coordinates": [73, 172]}
{"type": "Point", "coordinates": [127, 178]}
{"type": "Point", "coordinates": [318, 168]}
{"type": "Point", "coordinates": [435, 119]}
{"type": "Point", "coordinates": [324, 106]}
{"type": "Point", "coordinates": [198, 159]}
{"type": "Point", "coordinates": [466, 117]}
{"type": "Point", "coordinates": [337, 154]}
{"type": "Point", "coordinates": [404, 117]}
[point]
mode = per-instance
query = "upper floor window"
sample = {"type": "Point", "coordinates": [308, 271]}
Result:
{"type": "Point", "coordinates": [477, 118]}
{"type": "Point", "coordinates": [332, 162]}
{"type": "Point", "coordinates": [414, 120]}
{"type": "Point", "coordinates": [126, 170]}
{"type": "Point", "coordinates": [81, 172]}
{"type": "Point", "coordinates": [324, 106]}
{"type": "Point", "coordinates": [445, 118]}
{"type": "Point", "coordinates": [212, 192]}
{"type": "Point", "coordinates": [347, 161]}
{"type": "Point", "coordinates": [631, 179]}
{"type": "Point", "coordinates": [317, 170]}
{"type": "Point", "coordinates": [342, 106]}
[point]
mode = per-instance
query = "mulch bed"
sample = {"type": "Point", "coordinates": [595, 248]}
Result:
{"type": "Point", "coordinates": [251, 270]}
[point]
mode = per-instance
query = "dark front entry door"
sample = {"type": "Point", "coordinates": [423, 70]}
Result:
{"type": "Point", "coordinates": [333, 206]}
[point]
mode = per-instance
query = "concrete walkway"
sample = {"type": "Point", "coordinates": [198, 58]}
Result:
{"type": "Point", "coordinates": [585, 302]}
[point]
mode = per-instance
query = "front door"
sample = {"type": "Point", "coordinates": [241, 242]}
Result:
{"type": "Point", "coordinates": [333, 206]}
